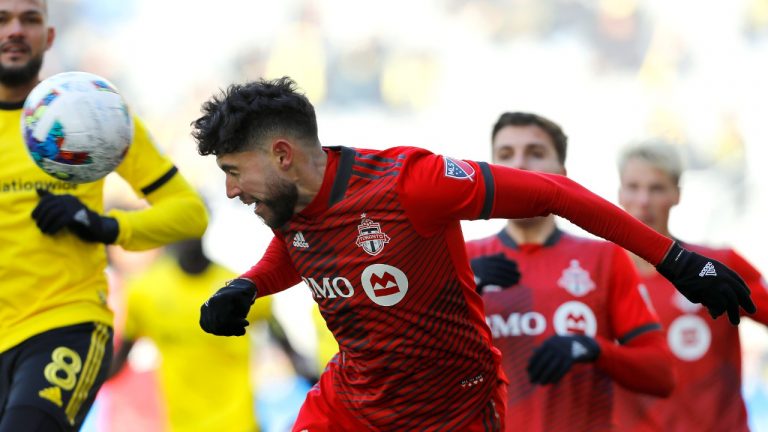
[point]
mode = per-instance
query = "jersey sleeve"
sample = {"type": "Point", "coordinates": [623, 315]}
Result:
{"type": "Point", "coordinates": [641, 360]}
{"type": "Point", "coordinates": [522, 194]}
{"type": "Point", "coordinates": [275, 271]}
{"type": "Point", "coordinates": [644, 364]}
{"type": "Point", "coordinates": [630, 313]}
{"type": "Point", "coordinates": [755, 281]}
{"type": "Point", "coordinates": [176, 211]}
{"type": "Point", "coordinates": [435, 190]}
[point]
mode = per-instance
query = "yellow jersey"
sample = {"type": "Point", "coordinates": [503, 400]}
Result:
{"type": "Point", "coordinates": [204, 379]}
{"type": "Point", "coordinates": [47, 281]}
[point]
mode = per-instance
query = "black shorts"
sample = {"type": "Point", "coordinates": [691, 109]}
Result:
{"type": "Point", "coordinates": [58, 371]}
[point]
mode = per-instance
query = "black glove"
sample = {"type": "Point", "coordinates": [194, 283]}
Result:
{"type": "Point", "coordinates": [706, 281]}
{"type": "Point", "coordinates": [556, 355]}
{"type": "Point", "coordinates": [224, 313]}
{"type": "Point", "coordinates": [495, 270]}
{"type": "Point", "coordinates": [55, 212]}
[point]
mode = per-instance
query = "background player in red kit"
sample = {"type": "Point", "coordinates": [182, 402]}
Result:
{"type": "Point", "coordinates": [707, 352]}
{"type": "Point", "coordinates": [575, 299]}
{"type": "Point", "coordinates": [376, 237]}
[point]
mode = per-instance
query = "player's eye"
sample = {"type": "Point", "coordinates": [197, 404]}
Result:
{"type": "Point", "coordinates": [32, 18]}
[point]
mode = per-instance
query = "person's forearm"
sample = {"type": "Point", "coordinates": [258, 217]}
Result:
{"type": "Point", "coordinates": [521, 194]}
{"type": "Point", "coordinates": [274, 271]}
{"type": "Point", "coordinates": [644, 365]}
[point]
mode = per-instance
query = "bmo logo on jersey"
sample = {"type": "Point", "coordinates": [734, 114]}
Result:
{"type": "Point", "coordinates": [385, 285]}
{"type": "Point", "coordinates": [574, 317]}
{"type": "Point", "coordinates": [517, 324]}
{"type": "Point", "coordinates": [569, 318]}
{"type": "Point", "coordinates": [329, 287]}
{"type": "Point", "coordinates": [689, 337]}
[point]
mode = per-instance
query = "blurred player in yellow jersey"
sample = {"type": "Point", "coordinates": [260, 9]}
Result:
{"type": "Point", "coordinates": [55, 326]}
{"type": "Point", "coordinates": [327, 346]}
{"type": "Point", "coordinates": [204, 380]}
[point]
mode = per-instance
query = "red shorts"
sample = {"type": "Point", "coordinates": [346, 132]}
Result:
{"type": "Point", "coordinates": [322, 412]}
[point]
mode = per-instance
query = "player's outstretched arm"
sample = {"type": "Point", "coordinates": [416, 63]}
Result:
{"type": "Point", "coordinates": [438, 190]}
{"type": "Point", "coordinates": [700, 279]}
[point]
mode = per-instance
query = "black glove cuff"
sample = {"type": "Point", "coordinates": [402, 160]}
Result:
{"type": "Point", "coordinates": [669, 266]}
{"type": "Point", "coordinates": [246, 285]}
{"type": "Point", "coordinates": [110, 230]}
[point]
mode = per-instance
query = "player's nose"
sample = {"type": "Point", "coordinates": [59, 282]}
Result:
{"type": "Point", "coordinates": [232, 188]}
{"type": "Point", "coordinates": [519, 162]}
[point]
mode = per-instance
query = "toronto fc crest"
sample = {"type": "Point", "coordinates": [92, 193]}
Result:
{"type": "Point", "coordinates": [576, 280]}
{"type": "Point", "coordinates": [370, 237]}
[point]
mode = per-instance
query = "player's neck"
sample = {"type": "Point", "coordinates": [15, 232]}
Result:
{"type": "Point", "coordinates": [310, 176]}
{"type": "Point", "coordinates": [15, 94]}
{"type": "Point", "coordinates": [532, 230]}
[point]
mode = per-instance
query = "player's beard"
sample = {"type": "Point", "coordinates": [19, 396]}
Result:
{"type": "Point", "coordinates": [20, 75]}
{"type": "Point", "coordinates": [282, 203]}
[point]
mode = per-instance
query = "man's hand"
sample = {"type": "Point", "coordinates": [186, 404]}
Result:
{"type": "Point", "coordinates": [224, 313]}
{"type": "Point", "coordinates": [706, 281]}
{"type": "Point", "coordinates": [555, 357]}
{"type": "Point", "coordinates": [494, 271]}
{"type": "Point", "coordinates": [55, 212]}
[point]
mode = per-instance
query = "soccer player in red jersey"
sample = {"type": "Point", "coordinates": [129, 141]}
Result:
{"type": "Point", "coordinates": [376, 237]}
{"type": "Point", "coordinates": [707, 352]}
{"type": "Point", "coordinates": [558, 327]}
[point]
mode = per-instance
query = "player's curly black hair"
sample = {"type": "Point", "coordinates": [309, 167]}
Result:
{"type": "Point", "coordinates": [555, 132]}
{"type": "Point", "coordinates": [244, 115]}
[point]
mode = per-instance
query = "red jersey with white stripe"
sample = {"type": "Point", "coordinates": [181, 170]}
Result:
{"type": "Point", "coordinates": [568, 285]}
{"type": "Point", "coordinates": [381, 250]}
{"type": "Point", "coordinates": [707, 354]}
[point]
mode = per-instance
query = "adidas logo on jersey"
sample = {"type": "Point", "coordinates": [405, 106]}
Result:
{"type": "Point", "coordinates": [299, 241]}
{"type": "Point", "coordinates": [52, 393]}
{"type": "Point", "coordinates": [708, 270]}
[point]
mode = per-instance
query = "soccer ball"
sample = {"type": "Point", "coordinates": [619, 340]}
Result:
{"type": "Point", "coordinates": [76, 126]}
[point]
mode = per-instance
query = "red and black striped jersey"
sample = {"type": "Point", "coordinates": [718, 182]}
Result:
{"type": "Point", "coordinates": [381, 250]}
{"type": "Point", "coordinates": [568, 285]}
{"type": "Point", "coordinates": [707, 355]}
{"type": "Point", "coordinates": [396, 290]}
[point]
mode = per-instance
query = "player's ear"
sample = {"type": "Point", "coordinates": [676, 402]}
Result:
{"type": "Point", "coordinates": [676, 199]}
{"type": "Point", "coordinates": [50, 38]}
{"type": "Point", "coordinates": [282, 153]}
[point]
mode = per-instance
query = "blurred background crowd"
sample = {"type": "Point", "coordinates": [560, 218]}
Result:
{"type": "Point", "coordinates": [436, 74]}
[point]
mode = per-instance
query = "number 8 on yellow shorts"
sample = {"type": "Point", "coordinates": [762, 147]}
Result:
{"type": "Point", "coordinates": [58, 372]}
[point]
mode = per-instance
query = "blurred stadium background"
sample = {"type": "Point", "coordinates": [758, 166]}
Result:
{"type": "Point", "coordinates": [436, 74]}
